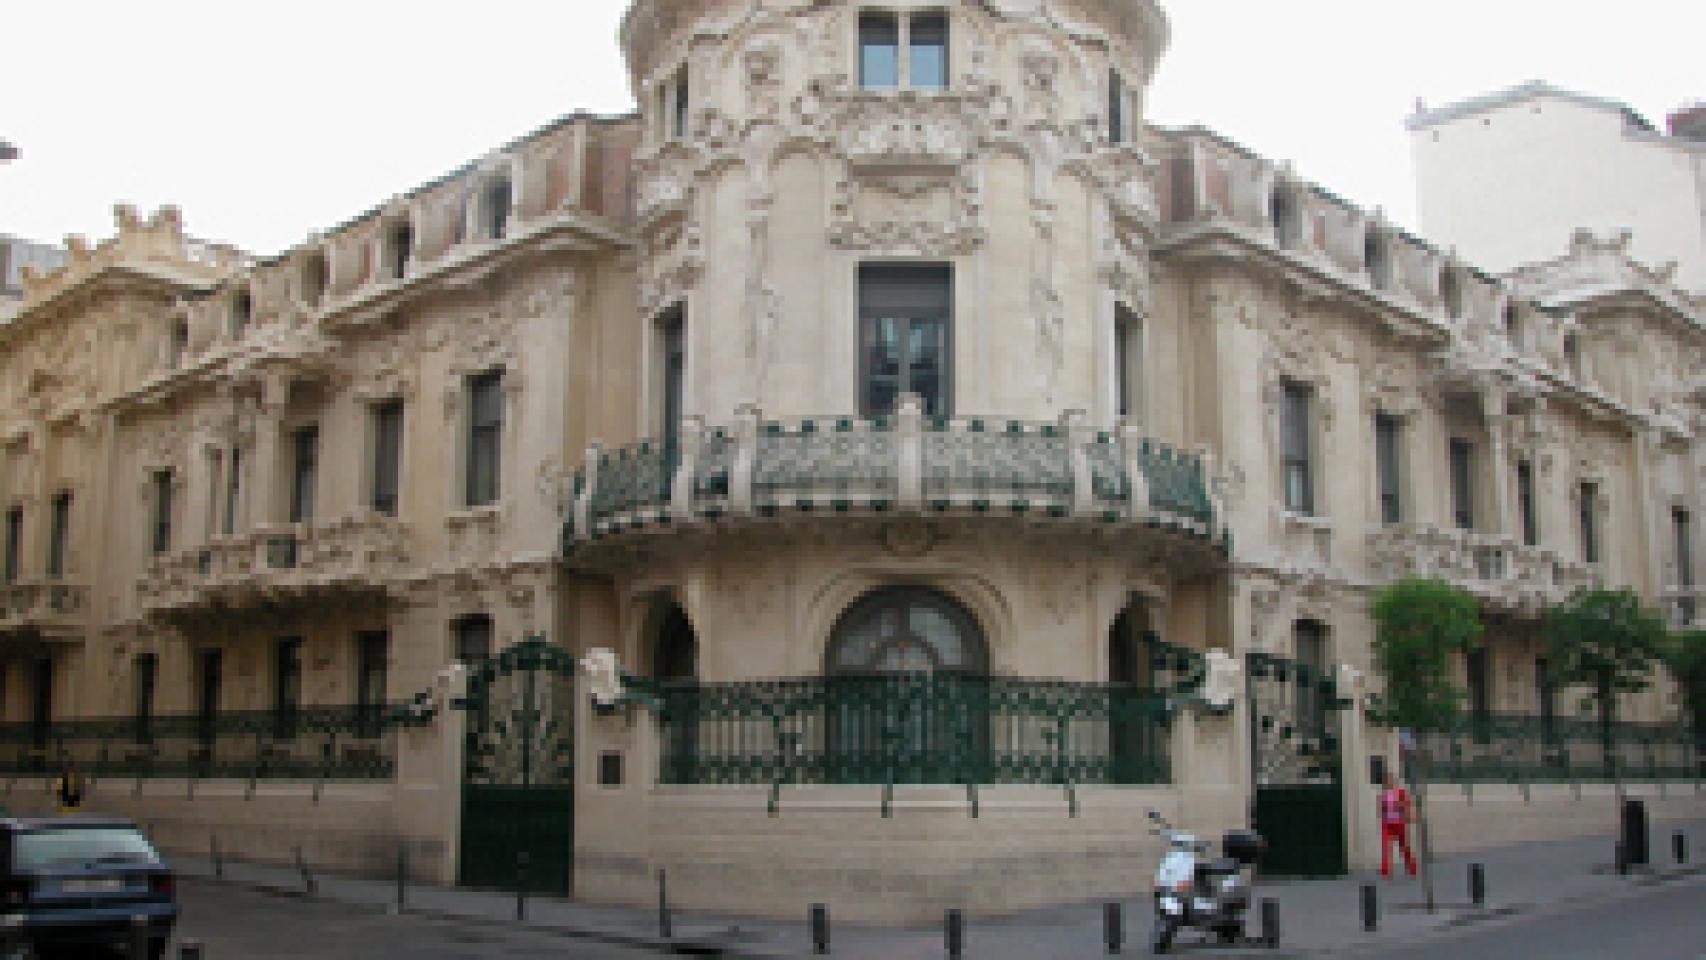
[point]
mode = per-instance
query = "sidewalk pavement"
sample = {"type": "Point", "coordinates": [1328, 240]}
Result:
{"type": "Point", "coordinates": [1317, 917]}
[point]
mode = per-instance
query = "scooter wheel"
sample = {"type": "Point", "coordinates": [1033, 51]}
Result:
{"type": "Point", "coordinates": [1163, 939]}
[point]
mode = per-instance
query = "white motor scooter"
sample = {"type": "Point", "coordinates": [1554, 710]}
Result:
{"type": "Point", "coordinates": [1194, 891]}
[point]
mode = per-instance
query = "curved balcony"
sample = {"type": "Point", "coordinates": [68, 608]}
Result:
{"type": "Point", "coordinates": [907, 464]}
{"type": "Point", "coordinates": [1497, 569]}
{"type": "Point", "coordinates": [277, 565]}
{"type": "Point", "coordinates": [46, 610]}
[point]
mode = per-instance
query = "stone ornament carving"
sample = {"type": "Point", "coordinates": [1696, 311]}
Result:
{"type": "Point", "coordinates": [909, 540]}
{"type": "Point", "coordinates": [1222, 680]}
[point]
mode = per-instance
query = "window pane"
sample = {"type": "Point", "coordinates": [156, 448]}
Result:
{"type": "Point", "coordinates": [926, 359]}
{"type": "Point", "coordinates": [484, 438]}
{"type": "Point", "coordinates": [1590, 531]}
{"type": "Point", "coordinates": [1116, 108]}
{"type": "Point", "coordinates": [682, 103]}
{"type": "Point", "coordinates": [1525, 502]}
{"type": "Point", "coordinates": [929, 51]}
{"type": "Point", "coordinates": [1462, 489]}
{"type": "Point", "coordinates": [162, 536]}
{"type": "Point", "coordinates": [233, 485]}
{"type": "Point", "coordinates": [1684, 547]}
{"type": "Point", "coordinates": [1294, 443]}
{"type": "Point", "coordinates": [14, 540]}
{"type": "Point", "coordinates": [879, 50]}
{"type": "Point", "coordinates": [1386, 462]}
{"type": "Point", "coordinates": [474, 638]}
{"type": "Point", "coordinates": [387, 454]}
{"type": "Point", "coordinates": [305, 445]}
{"type": "Point", "coordinates": [904, 311]}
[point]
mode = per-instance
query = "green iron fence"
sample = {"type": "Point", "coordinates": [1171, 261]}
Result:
{"type": "Point", "coordinates": [912, 728]}
{"type": "Point", "coordinates": [308, 743]}
{"type": "Point", "coordinates": [1518, 748]}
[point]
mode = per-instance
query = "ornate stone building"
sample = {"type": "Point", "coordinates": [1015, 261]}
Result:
{"type": "Point", "coordinates": [955, 464]}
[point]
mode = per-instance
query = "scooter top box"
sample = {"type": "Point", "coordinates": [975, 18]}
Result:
{"type": "Point", "coordinates": [1244, 846]}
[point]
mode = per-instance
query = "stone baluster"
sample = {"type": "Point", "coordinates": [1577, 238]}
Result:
{"type": "Point", "coordinates": [583, 502]}
{"type": "Point", "coordinates": [747, 419]}
{"type": "Point", "coordinates": [1076, 432]}
{"type": "Point", "coordinates": [1132, 439]}
{"type": "Point", "coordinates": [909, 427]}
{"type": "Point", "coordinates": [690, 443]}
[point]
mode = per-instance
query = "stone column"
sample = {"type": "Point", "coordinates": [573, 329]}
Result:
{"type": "Point", "coordinates": [427, 804]}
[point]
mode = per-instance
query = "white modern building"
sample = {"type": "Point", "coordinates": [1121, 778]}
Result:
{"type": "Point", "coordinates": [1507, 178]}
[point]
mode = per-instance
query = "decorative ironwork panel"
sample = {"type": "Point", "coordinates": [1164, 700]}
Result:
{"type": "Point", "coordinates": [912, 728]}
{"type": "Point", "coordinates": [843, 456]}
{"type": "Point", "coordinates": [631, 478]}
{"type": "Point", "coordinates": [1514, 748]}
{"type": "Point", "coordinates": [521, 711]}
{"type": "Point", "coordinates": [1294, 722]}
{"type": "Point", "coordinates": [711, 472]}
{"type": "Point", "coordinates": [1110, 486]}
{"type": "Point", "coordinates": [1017, 461]}
{"type": "Point", "coordinates": [1176, 483]}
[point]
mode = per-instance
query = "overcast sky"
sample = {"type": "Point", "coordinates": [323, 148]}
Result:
{"type": "Point", "coordinates": [267, 121]}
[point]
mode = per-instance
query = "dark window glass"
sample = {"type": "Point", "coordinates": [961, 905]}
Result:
{"type": "Point", "coordinates": [907, 630]}
{"type": "Point", "coordinates": [1683, 529]}
{"type": "Point", "coordinates": [673, 333]}
{"type": "Point", "coordinates": [304, 465]}
{"type": "Point", "coordinates": [147, 666]}
{"type": "Point", "coordinates": [879, 50]}
{"type": "Point", "coordinates": [927, 47]}
{"type": "Point", "coordinates": [676, 653]}
{"type": "Point", "coordinates": [1462, 483]}
{"type": "Point", "coordinates": [233, 486]}
{"type": "Point", "coordinates": [400, 247]}
{"type": "Point", "coordinates": [473, 638]}
{"type": "Point", "coordinates": [14, 541]}
{"type": "Point", "coordinates": [1573, 355]}
{"type": "Point", "coordinates": [1526, 504]}
{"type": "Point", "coordinates": [210, 672]}
{"type": "Point", "coordinates": [1116, 108]}
{"type": "Point", "coordinates": [314, 277]}
{"type": "Point", "coordinates": [180, 342]}
{"type": "Point", "coordinates": [58, 533]}
{"type": "Point", "coordinates": [1588, 495]}
{"type": "Point", "coordinates": [683, 104]}
{"type": "Point", "coordinates": [161, 538]}
{"type": "Point", "coordinates": [287, 685]}
{"type": "Point", "coordinates": [372, 651]}
{"type": "Point", "coordinates": [41, 716]}
{"type": "Point", "coordinates": [1295, 461]}
{"type": "Point", "coordinates": [904, 313]}
{"type": "Point", "coordinates": [485, 432]}
{"type": "Point", "coordinates": [1309, 638]}
{"type": "Point", "coordinates": [242, 311]}
{"type": "Point", "coordinates": [1128, 361]}
{"type": "Point", "coordinates": [1387, 434]}
{"type": "Point", "coordinates": [497, 209]}
{"type": "Point", "coordinates": [1513, 325]}
{"type": "Point", "coordinates": [387, 454]}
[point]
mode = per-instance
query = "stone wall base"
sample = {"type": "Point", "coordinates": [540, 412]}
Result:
{"type": "Point", "coordinates": [1465, 818]}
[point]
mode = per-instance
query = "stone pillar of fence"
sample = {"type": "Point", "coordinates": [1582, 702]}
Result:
{"type": "Point", "coordinates": [1356, 736]}
{"type": "Point", "coordinates": [617, 756]}
{"type": "Point", "coordinates": [428, 800]}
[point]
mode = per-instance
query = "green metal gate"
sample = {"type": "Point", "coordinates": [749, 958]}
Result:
{"type": "Point", "coordinates": [518, 792]}
{"type": "Point", "coordinates": [1298, 805]}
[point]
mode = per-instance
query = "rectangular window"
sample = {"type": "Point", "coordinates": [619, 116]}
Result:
{"type": "Point", "coordinates": [682, 105]}
{"type": "Point", "coordinates": [927, 51]}
{"type": "Point", "coordinates": [372, 650]}
{"type": "Point", "coordinates": [160, 538]}
{"type": "Point", "coordinates": [1388, 436]}
{"type": "Point", "coordinates": [304, 465]}
{"type": "Point", "coordinates": [146, 669]}
{"type": "Point", "coordinates": [14, 541]}
{"type": "Point", "coordinates": [1295, 463]}
{"type": "Point", "coordinates": [672, 334]}
{"type": "Point", "coordinates": [233, 486]}
{"type": "Point", "coordinates": [1462, 483]}
{"type": "Point", "coordinates": [879, 50]}
{"type": "Point", "coordinates": [1309, 638]}
{"type": "Point", "coordinates": [904, 314]}
{"type": "Point", "coordinates": [59, 531]}
{"type": "Point", "coordinates": [387, 455]}
{"type": "Point", "coordinates": [485, 433]}
{"type": "Point", "coordinates": [210, 671]}
{"type": "Point", "coordinates": [1128, 363]}
{"type": "Point", "coordinates": [473, 638]}
{"type": "Point", "coordinates": [1525, 503]}
{"type": "Point", "coordinates": [1682, 527]}
{"type": "Point", "coordinates": [287, 685]}
{"type": "Point", "coordinates": [1116, 107]}
{"type": "Point", "coordinates": [1588, 495]}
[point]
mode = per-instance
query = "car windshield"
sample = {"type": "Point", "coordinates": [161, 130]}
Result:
{"type": "Point", "coordinates": [58, 847]}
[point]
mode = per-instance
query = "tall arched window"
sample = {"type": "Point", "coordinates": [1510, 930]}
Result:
{"type": "Point", "coordinates": [675, 647]}
{"type": "Point", "coordinates": [906, 630]}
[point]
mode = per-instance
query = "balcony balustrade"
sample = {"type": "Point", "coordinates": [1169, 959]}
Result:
{"type": "Point", "coordinates": [907, 464]}
{"type": "Point", "coordinates": [1685, 607]}
{"type": "Point", "coordinates": [1497, 569]}
{"type": "Point", "coordinates": [278, 563]}
{"type": "Point", "coordinates": [42, 607]}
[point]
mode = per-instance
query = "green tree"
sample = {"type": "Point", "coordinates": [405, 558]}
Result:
{"type": "Point", "coordinates": [1606, 641]}
{"type": "Point", "coordinates": [1685, 657]}
{"type": "Point", "coordinates": [1420, 624]}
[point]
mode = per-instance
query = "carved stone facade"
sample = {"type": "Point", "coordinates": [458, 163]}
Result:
{"type": "Point", "coordinates": [666, 308]}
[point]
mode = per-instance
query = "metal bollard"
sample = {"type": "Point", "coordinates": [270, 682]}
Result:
{"type": "Point", "coordinates": [218, 860]}
{"type": "Point", "coordinates": [1679, 846]}
{"type": "Point", "coordinates": [1270, 923]}
{"type": "Point", "coordinates": [1477, 884]}
{"type": "Point", "coordinates": [1370, 909]}
{"type": "Point", "coordinates": [138, 937]}
{"type": "Point", "coordinates": [820, 928]}
{"type": "Point", "coordinates": [308, 886]}
{"type": "Point", "coordinates": [520, 885]}
{"type": "Point", "coordinates": [955, 924]}
{"type": "Point", "coordinates": [1113, 927]}
{"type": "Point", "coordinates": [190, 950]}
{"type": "Point", "coordinates": [402, 878]}
{"type": "Point", "coordinates": [664, 927]}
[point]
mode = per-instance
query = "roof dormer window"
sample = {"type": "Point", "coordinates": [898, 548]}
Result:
{"type": "Point", "coordinates": [315, 277]}
{"type": "Point", "coordinates": [242, 311]}
{"type": "Point", "coordinates": [399, 248]}
{"type": "Point", "coordinates": [494, 208]}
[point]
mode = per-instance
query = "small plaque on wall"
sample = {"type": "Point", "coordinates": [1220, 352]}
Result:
{"type": "Point", "coordinates": [610, 769]}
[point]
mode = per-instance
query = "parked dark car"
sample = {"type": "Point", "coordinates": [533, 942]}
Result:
{"type": "Point", "coordinates": [76, 882]}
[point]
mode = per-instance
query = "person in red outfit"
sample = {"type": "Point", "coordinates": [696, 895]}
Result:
{"type": "Point", "coordinates": [1395, 827]}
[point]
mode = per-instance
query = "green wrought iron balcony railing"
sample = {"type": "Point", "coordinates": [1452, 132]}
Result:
{"type": "Point", "coordinates": [912, 729]}
{"type": "Point", "coordinates": [907, 463]}
{"type": "Point", "coordinates": [1518, 748]}
{"type": "Point", "coordinates": [351, 742]}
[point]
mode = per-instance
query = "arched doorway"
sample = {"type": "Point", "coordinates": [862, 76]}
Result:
{"type": "Point", "coordinates": [1134, 738]}
{"type": "Point", "coordinates": [907, 696]}
{"type": "Point", "coordinates": [674, 653]}
{"type": "Point", "coordinates": [674, 645]}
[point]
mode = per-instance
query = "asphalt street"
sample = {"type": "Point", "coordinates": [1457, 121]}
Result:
{"type": "Point", "coordinates": [236, 923]}
{"type": "Point", "coordinates": [1657, 922]}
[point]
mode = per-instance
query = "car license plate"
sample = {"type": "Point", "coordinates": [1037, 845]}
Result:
{"type": "Point", "coordinates": [93, 885]}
